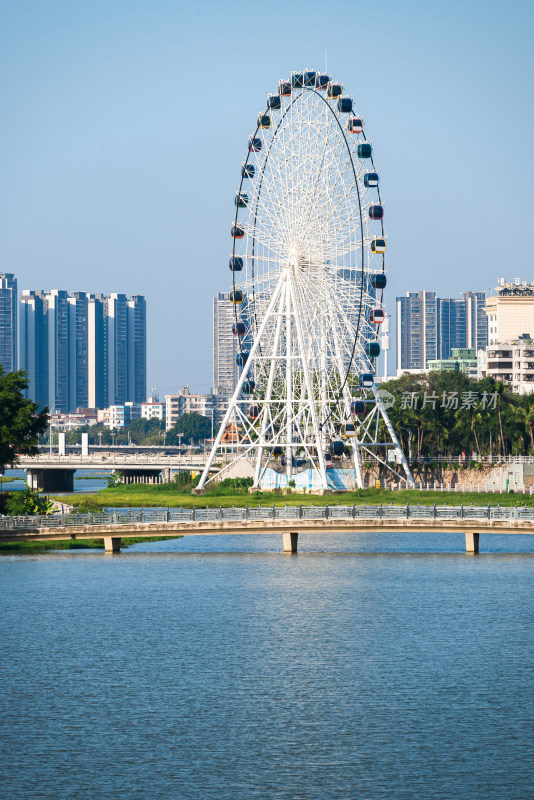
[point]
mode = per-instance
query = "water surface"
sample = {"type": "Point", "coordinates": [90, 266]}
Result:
{"type": "Point", "coordinates": [218, 667]}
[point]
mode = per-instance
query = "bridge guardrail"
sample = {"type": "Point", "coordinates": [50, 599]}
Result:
{"type": "Point", "coordinates": [152, 515]}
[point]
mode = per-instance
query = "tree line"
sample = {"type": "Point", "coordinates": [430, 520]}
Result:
{"type": "Point", "coordinates": [447, 413]}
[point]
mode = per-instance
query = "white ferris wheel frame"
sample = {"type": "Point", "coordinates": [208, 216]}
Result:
{"type": "Point", "coordinates": [306, 280]}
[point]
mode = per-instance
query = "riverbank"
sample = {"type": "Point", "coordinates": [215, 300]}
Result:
{"type": "Point", "coordinates": [169, 496]}
{"type": "Point", "coordinates": [27, 548]}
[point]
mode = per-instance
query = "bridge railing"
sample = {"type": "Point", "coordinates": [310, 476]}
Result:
{"type": "Point", "coordinates": [156, 516]}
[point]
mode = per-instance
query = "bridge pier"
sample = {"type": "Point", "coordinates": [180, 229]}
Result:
{"type": "Point", "coordinates": [51, 480]}
{"type": "Point", "coordinates": [471, 542]}
{"type": "Point", "coordinates": [291, 539]}
{"type": "Point", "coordinates": [112, 544]}
{"type": "Point", "coordinates": [130, 476]}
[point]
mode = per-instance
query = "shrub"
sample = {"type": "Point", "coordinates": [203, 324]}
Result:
{"type": "Point", "coordinates": [27, 502]}
{"type": "Point", "coordinates": [233, 486]}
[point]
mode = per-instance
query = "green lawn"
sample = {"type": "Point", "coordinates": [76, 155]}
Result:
{"type": "Point", "coordinates": [24, 548]}
{"type": "Point", "coordinates": [168, 496]}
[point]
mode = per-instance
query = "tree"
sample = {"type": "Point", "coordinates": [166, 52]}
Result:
{"type": "Point", "coordinates": [145, 431]}
{"type": "Point", "coordinates": [193, 428]}
{"type": "Point", "coordinates": [20, 420]}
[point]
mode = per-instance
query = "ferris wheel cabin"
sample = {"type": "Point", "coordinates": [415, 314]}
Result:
{"type": "Point", "coordinates": [358, 407]}
{"type": "Point", "coordinates": [237, 231]}
{"type": "Point", "coordinates": [236, 263]}
{"type": "Point", "coordinates": [379, 280]}
{"type": "Point", "coordinates": [236, 296]}
{"type": "Point", "coordinates": [372, 349]}
{"type": "Point", "coordinates": [365, 150]}
{"type": "Point", "coordinates": [348, 430]}
{"type": "Point", "coordinates": [376, 316]}
{"type": "Point", "coordinates": [355, 125]}
{"type": "Point", "coordinates": [239, 329]}
{"type": "Point", "coordinates": [376, 212]}
{"type": "Point", "coordinates": [366, 380]}
{"type": "Point", "coordinates": [378, 246]}
{"type": "Point", "coordinates": [334, 90]}
{"type": "Point", "coordinates": [284, 89]}
{"type": "Point", "coordinates": [254, 412]}
{"type": "Point", "coordinates": [248, 171]}
{"type": "Point", "coordinates": [321, 82]}
{"type": "Point", "coordinates": [370, 180]}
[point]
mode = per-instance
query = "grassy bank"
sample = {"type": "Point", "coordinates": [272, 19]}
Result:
{"type": "Point", "coordinates": [168, 496]}
{"type": "Point", "coordinates": [25, 548]}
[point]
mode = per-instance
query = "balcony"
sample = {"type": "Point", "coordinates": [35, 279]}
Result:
{"type": "Point", "coordinates": [499, 365]}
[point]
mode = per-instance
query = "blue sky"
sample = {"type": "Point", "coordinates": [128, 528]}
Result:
{"type": "Point", "coordinates": [124, 125]}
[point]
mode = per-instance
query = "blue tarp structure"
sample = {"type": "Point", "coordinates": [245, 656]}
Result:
{"type": "Point", "coordinates": [340, 480]}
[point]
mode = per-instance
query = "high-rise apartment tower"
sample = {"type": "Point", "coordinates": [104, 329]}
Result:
{"type": "Point", "coordinates": [8, 322]}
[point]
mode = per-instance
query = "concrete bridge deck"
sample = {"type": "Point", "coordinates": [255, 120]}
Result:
{"type": "Point", "coordinates": [286, 521]}
{"type": "Point", "coordinates": [53, 472]}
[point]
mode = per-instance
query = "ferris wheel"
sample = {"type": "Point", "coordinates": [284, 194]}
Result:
{"type": "Point", "coordinates": [308, 272]}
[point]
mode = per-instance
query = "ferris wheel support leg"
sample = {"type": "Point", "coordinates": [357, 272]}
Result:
{"type": "Point", "coordinates": [269, 391]}
{"type": "Point", "coordinates": [289, 387]}
{"type": "Point", "coordinates": [389, 426]}
{"type": "Point", "coordinates": [357, 466]}
{"type": "Point", "coordinates": [238, 388]}
{"type": "Point", "coordinates": [311, 399]}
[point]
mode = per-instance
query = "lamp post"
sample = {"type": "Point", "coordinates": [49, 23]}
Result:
{"type": "Point", "coordinates": [100, 438]}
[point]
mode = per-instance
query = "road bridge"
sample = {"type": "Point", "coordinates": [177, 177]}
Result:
{"type": "Point", "coordinates": [53, 472]}
{"type": "Point", "coordinates": [286, 522]}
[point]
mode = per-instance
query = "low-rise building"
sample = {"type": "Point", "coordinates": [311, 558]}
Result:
{"type": "Point", "coordinates": [74, 421]}
{"type": "Point", "coordinates": [510, 362]}
{"type": "Point", "coordinates": [119, 416]}
{"type": "Point", "coordinates": [150, 410]}
{"type": "Point", "coordinates": [463, 359]}
{"type": "Point", "coordinates": [176, 405]}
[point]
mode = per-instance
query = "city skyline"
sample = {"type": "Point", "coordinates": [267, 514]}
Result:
{"type": "Point", "coordinates": [113, 169]}
{"type": "Point", "coordinates": [82, 350]}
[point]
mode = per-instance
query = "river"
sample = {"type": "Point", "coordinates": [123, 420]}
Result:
{"type": "Point", "coordinates": [374, 667]}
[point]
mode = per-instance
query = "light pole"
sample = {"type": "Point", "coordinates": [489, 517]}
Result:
{"type": "Point", "coordinates": [100, 438]}
{"type": "Point", "coordinates": [51, 438]}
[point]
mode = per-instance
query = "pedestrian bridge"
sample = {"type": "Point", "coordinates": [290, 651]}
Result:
{"type": "Point", "coordinates": [285, 521]}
